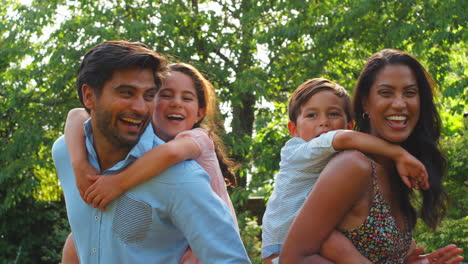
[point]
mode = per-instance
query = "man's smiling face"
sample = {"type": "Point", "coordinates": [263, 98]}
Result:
{"type": "Point", "coordinates": [124, 108]}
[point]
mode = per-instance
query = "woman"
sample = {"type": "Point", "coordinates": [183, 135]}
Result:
{"type": "Point", "coordinates": [362, 196]}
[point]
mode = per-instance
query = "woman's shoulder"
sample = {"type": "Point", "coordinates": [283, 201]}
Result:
{"type": "Point", "coordinates": [349, 173]}
{"type": "Point", "coordinates": [351, 162]}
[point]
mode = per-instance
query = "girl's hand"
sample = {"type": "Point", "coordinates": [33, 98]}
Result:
{"type": "Point", "coordinates": [82, 181]}
{"type": "Point", "coordinates": [412, 172]}
{"type": "Point", "coordinates": [446, 255]}
{"type": "Point", "coordinates": [105, 189]}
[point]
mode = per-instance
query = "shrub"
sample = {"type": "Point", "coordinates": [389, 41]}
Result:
{"type": "Point", "coordinates": [33, 232]}
{"type": "Point", "coordinates": [250, 233]}
{"type": "Point", "coordinates": [451, 231]}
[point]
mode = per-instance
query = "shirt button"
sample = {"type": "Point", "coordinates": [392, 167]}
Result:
{"type": "Point", "coordinates": [96, 217]}
{"type": "Point", "coordinates": [94, 250]}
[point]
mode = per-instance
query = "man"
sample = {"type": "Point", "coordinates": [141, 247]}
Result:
{"type": "Point", "coordinates": [155, 221]}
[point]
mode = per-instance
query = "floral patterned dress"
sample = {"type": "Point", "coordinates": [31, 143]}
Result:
{"type": "Point", "coordinates": [379, 238]}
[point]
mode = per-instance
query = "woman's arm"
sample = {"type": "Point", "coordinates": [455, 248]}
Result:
{"type": "Point", "coordinates": [343, 182]}
{"type": "Point", "coordinates": [411, 170]}
{"type": "Point", "coordinates": [74, 136]}
{"type": "Point", "coordinates": [152, 163]}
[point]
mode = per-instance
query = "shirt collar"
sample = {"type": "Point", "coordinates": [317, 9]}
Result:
{"type": "Point", "coordinates": [146, 142]}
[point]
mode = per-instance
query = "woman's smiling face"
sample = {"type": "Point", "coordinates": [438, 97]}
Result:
{"type": "Point", "coordinates": [393, 104]}
{"type": "Point", "coordinates": [176, 106]}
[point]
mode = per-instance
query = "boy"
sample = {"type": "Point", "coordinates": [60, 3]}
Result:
{"type": "Point", "coordinates": [318, 110]}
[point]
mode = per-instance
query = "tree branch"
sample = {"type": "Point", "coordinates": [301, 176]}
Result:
{"type": "Point", "coordinates": [225, 59]}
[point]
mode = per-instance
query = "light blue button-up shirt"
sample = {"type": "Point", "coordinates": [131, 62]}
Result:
{"type": "Point", "coordinates": [153, 222]}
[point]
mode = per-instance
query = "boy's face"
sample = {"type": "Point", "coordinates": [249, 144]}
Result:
{"type": "Point", "coordinates": [323, 112]}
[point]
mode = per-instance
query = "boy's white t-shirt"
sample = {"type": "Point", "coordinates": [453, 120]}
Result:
{"type": "Point", "coordinates": [300, 166]}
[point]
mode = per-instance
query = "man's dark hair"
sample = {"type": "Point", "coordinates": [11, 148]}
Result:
{"type": "Point", "coordinates": [101, 61]}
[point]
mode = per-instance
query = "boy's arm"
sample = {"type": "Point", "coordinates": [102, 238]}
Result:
{"type": "Point", "coordinates": [75, 139]}
{"type": "Point", "coordinates": [411, 170]}
{"type": "Point", "coordinates": [159, 159]}
{"type": "Point", "coordinates": [152, 163]}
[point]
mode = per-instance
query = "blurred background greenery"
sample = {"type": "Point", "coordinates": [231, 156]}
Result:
{"type": "Point", "coordinates": [255, 52]}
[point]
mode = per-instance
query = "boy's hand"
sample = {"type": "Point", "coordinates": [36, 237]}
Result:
{"type": "Point", "coordinates": [82, 181]}
{"type": "Point", "coordinates": [105, 189]}
{"type": "Point", "coordinates": [412, 172]}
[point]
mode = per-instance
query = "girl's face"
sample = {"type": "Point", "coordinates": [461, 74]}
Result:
{"type": "Point", "coordinates": [176, 106]}
{"type": "Point", "coordinates": [393, 104]}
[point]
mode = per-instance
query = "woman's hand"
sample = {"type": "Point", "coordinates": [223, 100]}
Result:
{"type": "Point", "coordinates": [446, 255]}
{"type": "Point", "coordinates": [105, 189]}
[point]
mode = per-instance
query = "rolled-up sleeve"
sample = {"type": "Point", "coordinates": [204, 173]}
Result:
{"type": "Point", "coordinates": [311, 156]}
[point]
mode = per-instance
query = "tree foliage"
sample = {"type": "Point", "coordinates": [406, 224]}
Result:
{"type": "Point", "coordinates": [255, 52]}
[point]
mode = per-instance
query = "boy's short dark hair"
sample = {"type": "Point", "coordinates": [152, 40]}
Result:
{"type": "Point", "coordinates": [101, 61]}
{"type": "Point", "coordinates": [312, 86]}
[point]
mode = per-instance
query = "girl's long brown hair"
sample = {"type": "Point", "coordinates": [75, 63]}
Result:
{"type": "Point", "coordinates": [207, 99]}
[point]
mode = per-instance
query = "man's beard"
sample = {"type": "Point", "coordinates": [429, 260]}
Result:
{"type": "Point", "coordinates": [112, 133]}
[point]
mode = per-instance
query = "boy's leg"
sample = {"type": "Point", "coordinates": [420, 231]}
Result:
{"type": "Point", "coordinates": [272, 259]}
{"type": "Point", "coordinates": [339, 249]}
{"type": "Point", "coordinates": [275, 260]}
{"type": "Point", "coordinates": [69, 254]}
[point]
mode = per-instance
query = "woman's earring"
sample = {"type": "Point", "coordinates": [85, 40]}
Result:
{"type": "Point", "coordinates": [365, 116]}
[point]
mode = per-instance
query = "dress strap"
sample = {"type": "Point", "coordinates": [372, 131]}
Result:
{"type": "Point", "coordinates": [374, 176]}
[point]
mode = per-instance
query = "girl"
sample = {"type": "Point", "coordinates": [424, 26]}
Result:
{"type": "Point", "coordinates": [393, 101]}
{"type": "Point", "coordinates": [181, 105]}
